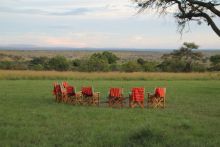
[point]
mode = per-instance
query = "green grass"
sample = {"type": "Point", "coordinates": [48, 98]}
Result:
{"type": "Point", "coordinates": [30, 117]}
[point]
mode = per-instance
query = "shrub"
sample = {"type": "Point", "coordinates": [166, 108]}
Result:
{"type": "Point", "coordinates": [112, 58]}
{"type": "Point", "coordinates": [59, 63]}
{"type": "Point", "coordinates": [150, 66]}
{"type": "Point", "coordinates": [215, 63]}
{"type": "Point", "coordinates": [131, 66]}
{"type": "Point", "coordinates": [96, 64]}
{"type": "Point", "coordinates": [13, 65]}
{"type": "Point", "coordinates": [39, 63]}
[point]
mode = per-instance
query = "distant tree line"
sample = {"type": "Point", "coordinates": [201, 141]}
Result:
{"type": "Point", "coordinates": [185, 59]}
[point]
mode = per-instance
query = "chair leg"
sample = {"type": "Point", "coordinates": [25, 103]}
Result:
{"type": "Point", "coordinates": [130, 102]}
{"type": "Point", "coordinates": [98, 101]}
{"type": "Point", "coordinates": [98, 97]}
{"type": "Point", "coordinates": [110, 102]}
{"type": "Point", "coordinates": [133, 104]}
{"type": "Point", "coordinates": [59, 98]}
{"type": "Point", "coordinates": [164, 102]}
{"type": "Point", "coordinates": [149, 104]}
{"type": "Point", "coordinates": [141, 104]}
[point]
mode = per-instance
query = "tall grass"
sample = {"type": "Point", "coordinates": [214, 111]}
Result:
{"type": "Point", "coordinates": [55, 75]}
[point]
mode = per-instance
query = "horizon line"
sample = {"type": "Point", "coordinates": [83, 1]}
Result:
{"type": "Point", "coordinates": [63, 48]}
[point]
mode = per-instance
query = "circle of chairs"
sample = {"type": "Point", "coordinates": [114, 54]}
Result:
{"type": "Point", "coordinates": [86, 96]}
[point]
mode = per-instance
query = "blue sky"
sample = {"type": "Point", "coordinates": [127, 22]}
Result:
{"type": "Point", "coordinates": [94, 23]}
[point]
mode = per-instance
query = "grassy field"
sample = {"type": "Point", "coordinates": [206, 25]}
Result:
{"type": "Point", "coordinates": [30, 117]}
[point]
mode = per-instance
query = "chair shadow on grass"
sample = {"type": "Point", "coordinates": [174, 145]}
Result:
{"type": "Point", "coordinates": [145, 138]}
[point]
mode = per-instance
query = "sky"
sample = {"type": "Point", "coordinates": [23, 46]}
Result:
{"type": "Point", "coordinates": [95, 24]}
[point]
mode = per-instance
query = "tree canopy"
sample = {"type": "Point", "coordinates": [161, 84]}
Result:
{"type": "Point", "coordinates": [187, 10]}
{"type": "Point", "coordinates": [183, 59]}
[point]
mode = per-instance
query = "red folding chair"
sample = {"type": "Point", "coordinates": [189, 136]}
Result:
{"type": "Point", "coordinates": [57, 92]}
{"type": "Point", "coordinates": [136, 98]}
{"type": "Point", "coordinates": [71, 96]}
{"type": "Point", "coordinates": [64, 86]}
{"type": "Point", "coordinates": [115, 98]}
{"type": "Point", "coordinates": [157, 99]}
{"type": "Point", "coordinates": [89, 96]}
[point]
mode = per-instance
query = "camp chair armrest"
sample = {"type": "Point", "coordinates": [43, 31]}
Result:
{"type": "Point", "coordinates": [98, 93]}
{"type": "Point", "coordinates": [79, 92]}
{"type": "Point", "coordinates": [149, 94]}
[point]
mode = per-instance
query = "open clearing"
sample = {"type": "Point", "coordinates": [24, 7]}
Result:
{"type": "Point", "coordinates": [31, 117]}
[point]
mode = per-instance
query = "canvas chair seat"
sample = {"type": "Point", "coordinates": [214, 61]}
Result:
{"type": "Point", "coordinates": [137, 94]}
{"type": "Point", "coordinates": [115, 92]}
{"type": "Point", "coordinates": [87, 91]}
{"type": "Point", "coordinates": [70, 90]}
{"type": "Point", "coordinates": [159, 92]}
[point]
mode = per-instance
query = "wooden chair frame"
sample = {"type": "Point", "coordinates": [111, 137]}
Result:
{"type": "Point", "coordinates": [156, 101]}
{"type": "Point", "coordinates": [116, 101]}
{"type": "Point", "coordinates": [77, 99]}
{"type": "Point", "coordinates": [74, 99]}
{"type": "Point", "coordinates": [94, 99]}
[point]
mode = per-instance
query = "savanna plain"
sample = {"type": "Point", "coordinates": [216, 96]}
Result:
{"type": "Point", "coordinates": [31, 117]}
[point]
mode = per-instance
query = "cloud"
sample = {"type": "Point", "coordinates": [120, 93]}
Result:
{"type": "Point", "coordinates": [43, 39]}
{"type": "Point", "coordinates": [40, 11]}
{"type": "Point", "coordinates": [96, 9]}
{"type": "Point", "coordinates": [74, 11]}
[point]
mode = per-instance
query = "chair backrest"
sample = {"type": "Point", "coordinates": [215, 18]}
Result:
{"type": "Point", "coordinates": [54, 87]}
{"type": "Point", "coordinates": [115, 92]}
{"type": "Point", "coordinates": [137, 94]}
{"type": "Point", "coordinates": [65, 84]}
{"type": "Point", "coordinates": [57, 89]}
{"type": "Point", "coordinates": [87, 91]}
{"type": "Point", "coordinates": [160, 92]}
{"type": "Point", "coordinates": [70, 90]}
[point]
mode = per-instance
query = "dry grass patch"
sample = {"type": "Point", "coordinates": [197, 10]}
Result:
{"type": "Point", "coordinates": [16, 75]}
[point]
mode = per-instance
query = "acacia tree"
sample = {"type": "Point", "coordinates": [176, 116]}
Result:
{"type": "Point", "coordinates": [187, 10]}
{"type": "Point", "coordinates": [182, 59]}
